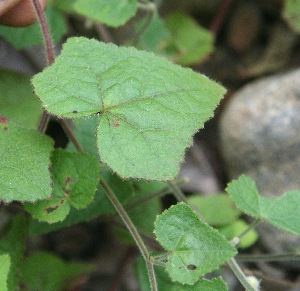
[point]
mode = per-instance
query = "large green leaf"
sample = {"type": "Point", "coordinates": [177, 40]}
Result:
{"type": "Point", "coordinates": [195, 248]}
{"type": "Point", "coordinates": [282, 212]}
{"type": "Point", "coordinates": [149, 108]}
{"type": "Point", "coordinates": [18, 103]}
{"type": "Point", "coordinates": [164, 282]}
{"type": "Point", "coordinates": [75, 179]}
{"type": "Point", "coordinates": [24, 163]}
{"type": "Point", "coordinates": [43, 271]}
{"type": "Point", "coordinates": [110, 12]}
{"type": "Point", "coordinates": [22, 37]}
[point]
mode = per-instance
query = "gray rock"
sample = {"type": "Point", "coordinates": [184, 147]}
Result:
{"type": "Point", "coordinates": [260, 137]}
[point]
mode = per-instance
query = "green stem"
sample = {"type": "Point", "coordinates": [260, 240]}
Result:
{"type": "Point", "coordinates": [236, 240]}
{"type": "Point", "coordinates": [130, 226]}
{"type": "Point", "coordinates": [240, 274]}
{"type": "Point", "coordinates": [269, 258]}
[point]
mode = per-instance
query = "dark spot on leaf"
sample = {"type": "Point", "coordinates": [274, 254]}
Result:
{"type": "Point", "coordinates": [191, 267]}
{"type": "Point", "coordinates": [116, 124]}
{"type": "Point", "coordinates": [75, 111]}
{"type": "Point", "coordinates": [5, 128]}
{"type": "Point", "coordinates": [3, 119]}
{"type": "Point", "coordinates": [49, 210]}
{"type": "Point", "coordinates": [67, 184]}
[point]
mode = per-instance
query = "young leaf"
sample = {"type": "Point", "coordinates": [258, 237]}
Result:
{"type": "Point", "coordinates": [244, 193]}
{"type": "Point", "coordinates": [24, 163]}
{"type": "Point", "coordinates": [18, 103]}
{"type": "Point", "coordinates": [217, 210]}
{"type": "Point", "coordinates": [195, 248]}
{"type": "Point", "coordinates": [4, 270]}
{"type": "Point", "coordinates": [191, 41]}
{"type": "Point", "coordinates": [43, 271]}
{"type": "Point", "coordinates": [13, 244]}
{"type": "Point", "coordinates": [282, 211]}
{"type": "Point", "coordinates": [111, 12]}
{"type": "Point", "coordinates": [164, 282]}
{"type": "Point", "coordinates": [149, 108]}
{"type": "Point", "coordinates": [75, 178]}
{"type": "Point", "coordinates": [22, 37]}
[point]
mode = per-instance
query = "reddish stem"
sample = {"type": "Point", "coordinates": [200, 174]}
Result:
{"type": "Point", "coordinates": [45, 31]}
{"type": "Point", "coordinates": [220, 15]}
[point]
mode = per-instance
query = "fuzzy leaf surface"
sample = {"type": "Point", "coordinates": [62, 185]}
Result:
{"type": "Point", "coordinates": [282, 212]}
{"type": "Point", "coordinates": [111, 12]}
{"type": "Point", "coordinates": [195, 248]}
{"type": "Point", "coordinates": [149, 108]}
{"type": "Point", "coordinates": [24, 163]}
{"type": "Point", "coordinates": [75, 178]}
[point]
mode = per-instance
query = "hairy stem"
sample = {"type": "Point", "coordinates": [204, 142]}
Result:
{"type": "Point", "coordinates": [49, 54]}
{"type": "Point", "coordinates": [130, 226]}
{"type": "Point", "coordinates": [240, 274]}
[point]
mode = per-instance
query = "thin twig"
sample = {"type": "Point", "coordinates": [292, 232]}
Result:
{"type": "Point", "coordinates": [269, 258]}
{"type": "Point", "coordinates": [130, 226]}
{"type": "Point", "coordinates": [103, 33]}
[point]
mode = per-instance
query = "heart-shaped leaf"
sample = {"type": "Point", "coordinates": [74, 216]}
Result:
{"type": "Point", "coordinates": [149, 108]}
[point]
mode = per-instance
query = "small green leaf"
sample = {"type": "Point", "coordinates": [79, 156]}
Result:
{"type": "Point", "coordinates": [217, 210]}
{"type": "Point", "coordinates": [190, 243]}
{"type": "Point", "coordinates": [191, 41]}
{"type": "Point", "coordinates": [100, 205]}
{"type": "Point", "coordinates": [292, 12]}
{"type": "Point", "coordinates": [13, 242]}
{"type": "Point", "coordinates": [164, 282]}
{"type": "Point", "coordinates": [4, 270]}
{"type": "Point", "coordinates": [24, 163]}
{"type": "Point", "coordinates": [282, 211]}
{"type": "Point", "coordinates": [18, 103]}
{"type": "Point", "coordinates": [150, 108]}
{"type": "Point", "coordinates": [235, 229]}
{"type": "Point", "coordinates": [244, 193]}
{"type": "Point", "coordinates": [22, 37]}
{"type": "Point", "coordinates": [75, 178]}
{"type": "Point", "coordinates": [111, 12]}
{"type": "Point", "coordinates": [43, 271]}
